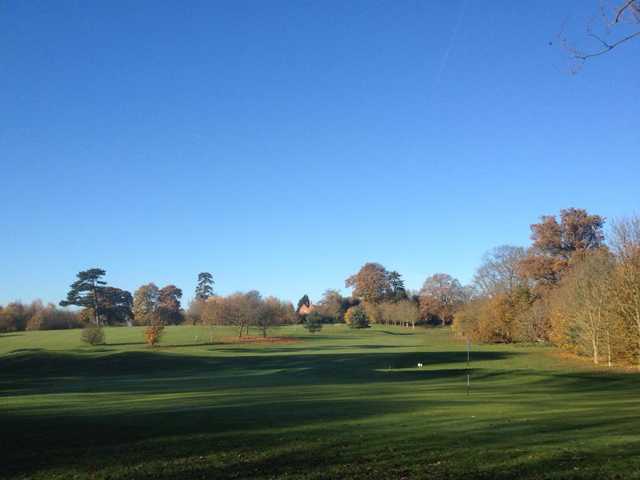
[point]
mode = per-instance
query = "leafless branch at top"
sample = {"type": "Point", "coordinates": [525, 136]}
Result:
{"type": "Point", "coordinates": [623, 8]}
{"type": "Point", "coordinates": [607, 47]}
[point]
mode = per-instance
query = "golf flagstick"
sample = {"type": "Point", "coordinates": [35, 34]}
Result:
{"type": "Point", "coordinates": [468, 369]}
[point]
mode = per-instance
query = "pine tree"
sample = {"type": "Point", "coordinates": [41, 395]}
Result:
{"type": "Point", "coordinates": [205, 286]}
{"type": "Point", "coordinates": [85, 292]}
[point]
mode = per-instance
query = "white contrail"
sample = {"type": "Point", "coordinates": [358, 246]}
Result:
{"type": "Point", "coordinates": [447, 52]}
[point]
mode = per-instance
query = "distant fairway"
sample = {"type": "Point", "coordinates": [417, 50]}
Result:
{"type": "Point", "coordinates": [338, 404]}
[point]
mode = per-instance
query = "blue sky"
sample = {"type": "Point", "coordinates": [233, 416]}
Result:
{"type": "Point", "coordinates": [281, 145]}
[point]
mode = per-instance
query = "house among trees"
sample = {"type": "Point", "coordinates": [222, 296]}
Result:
{"type": "Point", "coordinates": [306, 309]}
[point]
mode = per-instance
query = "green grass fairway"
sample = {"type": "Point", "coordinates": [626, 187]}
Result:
{"type": "Point", "coordinates": [338, 404]}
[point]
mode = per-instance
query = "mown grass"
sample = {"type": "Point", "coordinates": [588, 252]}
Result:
{"type": "Point", "coordinates": [338, 404]}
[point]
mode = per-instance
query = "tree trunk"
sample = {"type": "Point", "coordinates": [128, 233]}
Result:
{"type": "Point", "coordinates": [637, 312]}
{"type": "Point", "coordinates": [638, 322]}
{"type": "Point", "coordinates": [96, 318]}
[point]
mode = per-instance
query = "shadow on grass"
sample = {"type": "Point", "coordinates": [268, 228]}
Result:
{"type": "Point", "coordinates": [608, 463]}
{"type": "Point", "coordinates": [159, 347]}
{"type": "Point", "coordinates": [226, 426]}
{"type": "Point", "coordinates": [27, 350]}
{"type": "Point", "coordinates": [153, 407]}
{"type": "Point", "coordinates": [268, 349]}
{"type": "Point", "coordinates": [51, 372]}
{"type": "Point", "coordinates": [320, 438]}
{"type": "Point", "coordinates": [123, 344]}
{"type": "Point", "coordinates": [387, 332]}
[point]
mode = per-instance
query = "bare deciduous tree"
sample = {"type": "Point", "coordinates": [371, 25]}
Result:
{"type": "Point", "coordinates": [615, 24]}
{"type": "Point", "coordinates": [499, 270]}
{"type": "Point", "coordinates": [584, 298]}
{"type": "Point", "coordinates": [273, 312]}
{"type": "Point", "coordinates": [626, 245]}
{"type": "Point", "coordinates": [404, 312]}
{"type": "Point", "coordinates": [244, 310]}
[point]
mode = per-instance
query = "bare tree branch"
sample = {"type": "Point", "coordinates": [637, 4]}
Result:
{"type": "Point", "coordinates": [611, 17]}
{"type": "Point", "coordinates": [623, 8]}
{"type": "Point", "coordinates": [607, 47]}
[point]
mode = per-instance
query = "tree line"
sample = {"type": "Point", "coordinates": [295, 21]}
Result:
{"type": "Point", "coordinates": [99, 304]}
{"type": "Point", "coordinates": [379, 296]}
{"type": "Point", "coordinates": [570, 288]}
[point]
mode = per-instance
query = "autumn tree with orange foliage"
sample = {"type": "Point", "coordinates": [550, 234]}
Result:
{"type": "Point", "coordinates": [247, 309]}
{"type": "Point", "coordinates": [153, 332]}
{"type": "Point", "coordinates": [582, 315]}
{"type": "Point", "coordinates": [440, 297]}
{"type": "Point", "coordinates": [570, 289]}
{"type": "Point", "coordinates": [556, 244]}
{"type": "Point", "coordinates": [371, 283]}
{"type": "Point", "coordinates": [626, 284]}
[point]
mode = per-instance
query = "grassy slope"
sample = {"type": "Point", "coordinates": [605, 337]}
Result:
{"type": "Point", "coordinates": [340, 404]}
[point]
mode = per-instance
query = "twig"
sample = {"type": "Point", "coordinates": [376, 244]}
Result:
{"type": "Point", "coordinates": [607, 46]}
{"type": "Point", "coordinates": [622, 9]}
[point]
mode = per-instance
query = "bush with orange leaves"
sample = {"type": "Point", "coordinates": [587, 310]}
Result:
{"type": "Point", "coordinates": [153, 333]}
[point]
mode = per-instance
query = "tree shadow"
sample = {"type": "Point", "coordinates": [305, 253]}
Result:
{"type": "Point", "coordinates": [154, 406]}
{"type": "Point", "coordinates": [235, 425]}
{"type": "Point", "coordinates": [293, 348]}
{"type": "Point", "coordinates": [254, 439]}
{"type": "Point", "coordinates": [388, 332]}
{"type": "Point", "coordinates": [51, 372]}
{"type": "Point", "coordinates": [27, 350]}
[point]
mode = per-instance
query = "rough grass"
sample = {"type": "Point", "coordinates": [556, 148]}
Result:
{"type": "Point", "coordinates": [337, 404]}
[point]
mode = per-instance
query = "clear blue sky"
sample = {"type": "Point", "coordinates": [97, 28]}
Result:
{"type": "Point", "coordinates": [280, 145]}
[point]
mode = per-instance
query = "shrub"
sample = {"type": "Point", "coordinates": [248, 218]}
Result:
{"type": "Point", "coordinates": [93, 334]}
{"type": "Point", "coordinates": [313, 322]}
{"type": "Point", "coordinates": [153, 333]}
{"type": "Point", "coordinates": [356, 317]}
